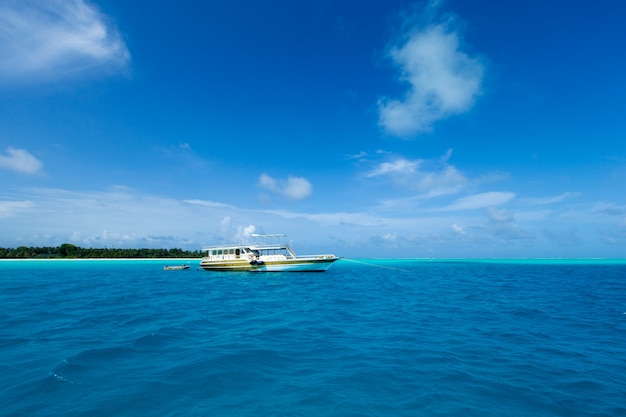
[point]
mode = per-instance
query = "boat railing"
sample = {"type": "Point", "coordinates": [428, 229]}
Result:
{"type": "Point", "coordinates": [249, 246]}
{"type": "Point", "coordinates": [227, 247]}
{"type": "Point", "coordinates": [325, 256]}
{"type": "Point", "coordinates": [268, 246]}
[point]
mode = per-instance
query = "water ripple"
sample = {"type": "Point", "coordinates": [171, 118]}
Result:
{"type": "Point", "coordinates": [413, 338]}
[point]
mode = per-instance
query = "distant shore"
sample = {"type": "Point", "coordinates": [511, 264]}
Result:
{"type": "Point", "coordinates": [171, 260]}
{"type": "Point", "coordinates": [70, 251]}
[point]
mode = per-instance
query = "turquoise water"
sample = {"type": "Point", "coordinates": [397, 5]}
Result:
{"type": "Point", "coordinates": [365, 338]}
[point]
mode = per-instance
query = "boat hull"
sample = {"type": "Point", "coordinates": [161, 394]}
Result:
{"type": "Point", "coordinates": [175, 268]}
{"type": "Point", "coordinates": [317, 265]}
{"type": "Point", "coordinates": [288, 265]}
{"type": "Point", "coordinates": [226, 265]}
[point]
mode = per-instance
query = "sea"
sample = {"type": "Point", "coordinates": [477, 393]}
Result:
{"type": "Point", "coordinates": [368, 337]}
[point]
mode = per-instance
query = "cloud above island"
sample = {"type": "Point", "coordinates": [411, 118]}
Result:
{"type": "Point", "coordinates": [125, 217]}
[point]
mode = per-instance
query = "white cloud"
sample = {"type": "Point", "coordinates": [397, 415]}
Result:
{"type": "Point", "coordinates": [604, 208]}
{"type": "Point", "coordinates": [400, 166]}
{"type": "Point", "coordinates": [265, 181]}
{"type": "Point", "coordinates": [123, 217]}
{"type": "Point", "coordinates": [430, 178]}
{"type": "Point", "coordinates": [359, 155]}
{"type": "Point", "coordinates": [225, 225]}
{"type": "Point", "coordinates": [244, 233]}
{"type": "Point", "coordinates": [553, 199]}
{"type": "Point", "coordinates": [20, 160]}
{"type": "Point", "coordinates": [533, 215]}
{"type": "Point", "coordinates": [12, 208]}
{"type": "Point", "coordinates": [333, 218]}
{"type": "Point", "coordinates": [294, 188]}
{"type": "Point", "coordinates": [499, 215]}
{"type": "Point", "coordinates": [447, 181]}
{"type": "Point", "coordinates": [443, 80]}
{"type": "Point", "coordinates": [567, 237]}
{"type": "Point", "coordinates": [115, 217]}
{"type": "Point", "coordinates": [457, 229]}
{"type": "Point", "coordinates": [52, 39]}
{"type": "Point", "coordinates": [207, 203]}
{"type": "Point", "coordinates": [481, 200]}
{"type": "Point", "coordinates": [502, 225]}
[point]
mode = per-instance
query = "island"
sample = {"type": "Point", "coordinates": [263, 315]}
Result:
{"type": "Point", "coordinates": [68, 250]}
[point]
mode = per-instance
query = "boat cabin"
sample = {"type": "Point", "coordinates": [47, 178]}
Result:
{"type": "Point", "coordinates": [249, 252]}
{"type": "Point", "coordinates": [227, 253]}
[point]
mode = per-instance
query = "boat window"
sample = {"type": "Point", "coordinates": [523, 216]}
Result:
{"type": "Point", "coordinates": [232, 251]}
{"type": "Point", "coordinates": [237, 252]}
{"type": "Point", "coordinates": [214, 252]}
{"type": "Point", "coordinates": [219, 252]}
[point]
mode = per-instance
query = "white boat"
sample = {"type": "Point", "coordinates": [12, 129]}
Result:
{"type": "Point", "coordinates": [277, 257]}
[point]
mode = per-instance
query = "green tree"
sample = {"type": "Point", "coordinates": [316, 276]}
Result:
{"type": "Point", "coordinates": [67, 250]}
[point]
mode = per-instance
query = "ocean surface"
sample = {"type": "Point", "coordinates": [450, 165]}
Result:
{"type": "Point", "coordinates": [366, 338]}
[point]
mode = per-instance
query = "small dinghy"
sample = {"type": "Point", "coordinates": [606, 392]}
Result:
{"type": "Point", "coordinates": [175, 268]}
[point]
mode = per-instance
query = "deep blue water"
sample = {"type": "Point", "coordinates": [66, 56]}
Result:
{"type": "Point", "coordinates": [366, 338]}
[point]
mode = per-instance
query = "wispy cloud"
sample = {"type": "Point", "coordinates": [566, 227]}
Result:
{"type": "Point", "coordinates": [333, 218]}
{"type": "Point", "coordinates": [206, 203]}
{"type": "Point", "coordinates": [399, 166]}
{"type": "Point", "coordinates": [43, 40]}
{"type": "Point", "coordinates": [20, 160]}
{"type": "Point", "coordinates": [552, 199]}
{"type": "Point", "coordinates": [604, 208]}
{"type": "Point", "coordinates": [428, 177]}
{"type": "Point", "coordinates": [13, 208]}
{"type": "Point", "coordinates": [118, 216]}
{"type": "Point", "coordinates": [567, 237]}
{"type": "Point", "coordinates": [503, 226]}
{"type": "Point", "coordinates": [294, 188]}
{"type": "Point", "coordinates": [442, 79]}
{"type": "Point", "coordinates": [479, 201]}
{"type": "Point", "coordinates": [458, 229]}
{"type": "Point", "coordinates": [124, 217]}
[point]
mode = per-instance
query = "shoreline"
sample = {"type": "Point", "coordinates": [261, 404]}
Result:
{"type": "Point", "coordinates": [102, 259]}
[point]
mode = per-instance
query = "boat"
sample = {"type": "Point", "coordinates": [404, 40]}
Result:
{"type": "Point", "coordinates": [273, 257]}
{"type": "Point", "coordinates": [175, 267]}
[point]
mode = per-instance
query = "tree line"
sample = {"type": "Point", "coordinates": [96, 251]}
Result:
{"type": "Point", "coordinates": [67, 250]}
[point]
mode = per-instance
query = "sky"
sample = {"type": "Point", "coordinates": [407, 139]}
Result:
{"type": "Point", "coordinates": [367, 129]}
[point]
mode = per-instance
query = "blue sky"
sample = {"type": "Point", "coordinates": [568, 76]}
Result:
{"type": "Point", "coordinates": [443, 129]}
